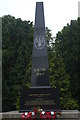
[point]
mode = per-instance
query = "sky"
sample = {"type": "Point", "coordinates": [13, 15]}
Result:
{"type": "Point", "coordinates": [57, 12]}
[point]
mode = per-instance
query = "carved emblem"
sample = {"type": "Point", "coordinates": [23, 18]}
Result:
{"type": "Point", "coordinates": [39, 42]}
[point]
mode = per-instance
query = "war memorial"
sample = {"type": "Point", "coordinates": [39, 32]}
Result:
{"type": "Point", "coordinates": [40, 101]}
{"type": "Point", "coordinates": [40, 94]}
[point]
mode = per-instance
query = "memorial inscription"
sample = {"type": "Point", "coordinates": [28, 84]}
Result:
{"type": "Point", "coordinates": [46, 99]}
{"type": "Point", "coordinates": [39, 72]}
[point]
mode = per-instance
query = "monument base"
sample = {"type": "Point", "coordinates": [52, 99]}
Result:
{"type": "Point", "coordinates": [43, 98]}
{"type": "Point", "coordinates": [66, 115]}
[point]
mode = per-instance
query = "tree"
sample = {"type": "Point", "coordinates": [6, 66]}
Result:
{"type": "Point", "coordinates": [68, 48]}
{"type": "Point", "coordinates": [17, 40]}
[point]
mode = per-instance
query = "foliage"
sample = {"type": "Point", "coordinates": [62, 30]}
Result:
{"type": "Point", "coordinates": [60, 78]}
{"type": "Point", "coordinates": [17, 40]}
{"type": "Point", "coordinates": [68, 47]}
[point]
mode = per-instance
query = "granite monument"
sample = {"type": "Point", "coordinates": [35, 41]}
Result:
{"type": "Point", "coordinates": [40, 93]}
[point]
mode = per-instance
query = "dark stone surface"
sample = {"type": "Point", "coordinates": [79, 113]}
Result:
{"type": "Point", "coordinates": [46, 99]}
{"type": "Point", "coordinates": [40, 72]}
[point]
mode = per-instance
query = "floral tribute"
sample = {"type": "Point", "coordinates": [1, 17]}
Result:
{"type": "Point", "coordinates": [38, 113]}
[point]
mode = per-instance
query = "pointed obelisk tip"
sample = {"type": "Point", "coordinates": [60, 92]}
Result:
{"type": "Point", "coordinates": [39, 2]}
{"type": "Point", "coordinates": [39, 15]}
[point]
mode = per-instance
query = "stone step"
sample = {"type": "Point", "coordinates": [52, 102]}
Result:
{"type": "Point", "coordinates": [66, 115]}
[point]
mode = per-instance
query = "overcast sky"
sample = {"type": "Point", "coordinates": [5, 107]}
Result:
{"type": "Point", "coordinates": [57, 12]}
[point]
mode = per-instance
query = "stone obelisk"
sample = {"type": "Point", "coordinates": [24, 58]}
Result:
{"type": "Point", "coordinates": [40, 72]}
{"type": "Point", "coordinates": [40, 92]}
